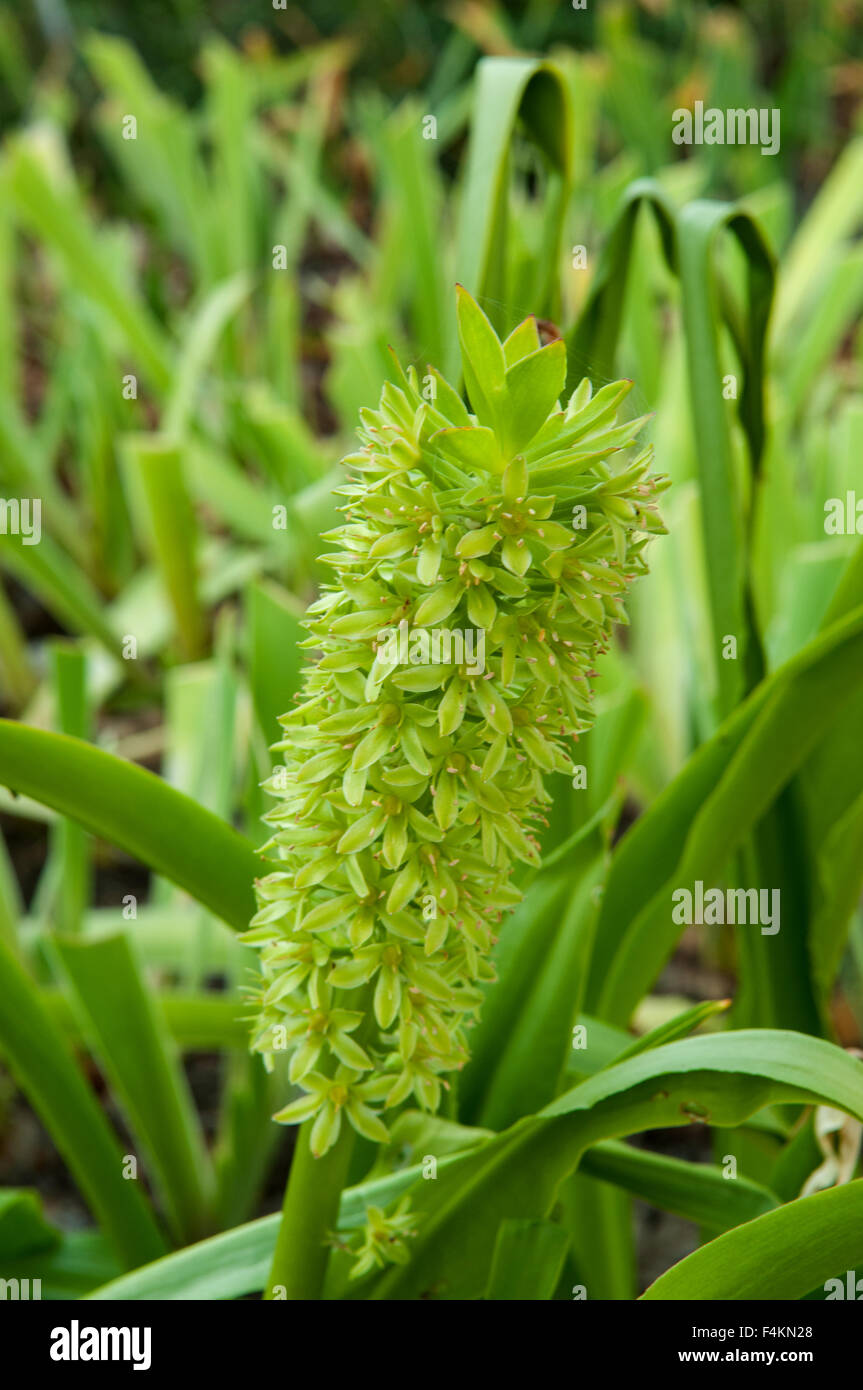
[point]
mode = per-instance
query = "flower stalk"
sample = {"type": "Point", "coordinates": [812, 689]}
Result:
{"type": "Point", "coordinates": [309, 1211]}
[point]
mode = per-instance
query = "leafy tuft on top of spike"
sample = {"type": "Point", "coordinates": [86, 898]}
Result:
{"type": "Point", "coordinates": [483, 562]}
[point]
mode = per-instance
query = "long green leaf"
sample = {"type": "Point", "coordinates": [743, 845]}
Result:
{"type": "Point", "coordinates": [508, 89]}
{"type": "Point", "coordinates": [81, 1263]}
{"type": "Point", "coordinates": [592, 342]}
{"type": "Point", "coordinates": [70, 853]}
{"type": "Point", "coordinates": [133, 1046]}
{"type": "Point", "coordinates": [197, 1022]}
{"type": "Point", "coordinates": [169, 528]}
{"type": "Point", "coordinates": [545, 977]}
{"type": "Point", "coordinates": [136, 810]}
{"type": "Point", "coordinates": [703, 816]}
{"type": "Point", "coordinates": [718, 1080]}
{"type": "Point", "coordinates": [781, 1255]}
{"type": "Point", "coordinates": [698, 1192]}
{"type": "Point", "coordinates": [237, 1262]}
{"type": "Point", "coordinates": [39, 1057]}
{"type": "Point", "coordinates": [724, 524]}
{"type": "Point", "coordinates": [527, 1261]}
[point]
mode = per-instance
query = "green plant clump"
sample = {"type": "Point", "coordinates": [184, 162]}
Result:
{"type": "Point", "coordinates": [456, 648]}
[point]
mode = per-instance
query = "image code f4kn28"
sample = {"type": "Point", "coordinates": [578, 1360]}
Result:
{"type": "Point", "coordinates": [431, 668]}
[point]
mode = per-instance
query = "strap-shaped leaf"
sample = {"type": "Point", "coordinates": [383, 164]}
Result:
{"type": "Point", "coordinates": [136, 810]}
{"type": "Point", "coordinates": [725, 527]}
{"type": "Point", "coordinates": [122, 1021]}
{"type": "Point", "coordinates": [592, 342]}
{"type": "Point", "coordinates": [698, 1192]}
{"type": "Point", "coordinates": [704, 815]}
{"type": "Point", "coordinates": [720, 1080]}
{"type": "Point", "coordinates": [689, 240]}
{"type": "Point", "coordinates": [42, 1063]}
{"type": "Point", "coordinates": [784, 1254]}
{"type": "Point", "coordinates": [237, 1262]}
{"type": "Point", "coordinates": [509, 89]}
{"type": "Point", "coordinates": [525, 1033]}
{"type": "Point", "coordinates": [516, 1174]}
{"type": "Point", "coordinates": [527, 1262]}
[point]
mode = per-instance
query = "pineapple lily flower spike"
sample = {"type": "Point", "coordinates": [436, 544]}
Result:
{"type": "Point", "coordinates": [483, 562]}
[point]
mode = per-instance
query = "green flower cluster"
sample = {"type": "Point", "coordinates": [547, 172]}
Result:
{"type": "Point", "coordinates": [383, 1238]}
{"type": "Point", "coordinates": [483, 562]}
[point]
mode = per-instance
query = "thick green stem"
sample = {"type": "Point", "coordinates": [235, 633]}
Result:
{"type": "Point", "coordinates": [309, 1212]}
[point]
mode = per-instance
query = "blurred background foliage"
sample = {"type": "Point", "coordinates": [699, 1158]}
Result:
{"type": "Point", "coordinates": [300, 129]}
